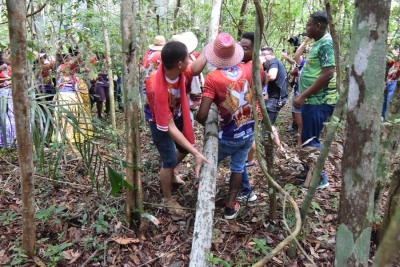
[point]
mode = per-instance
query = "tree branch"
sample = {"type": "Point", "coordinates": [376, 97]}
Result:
{"type": "Point", "coordinates": [31, 14]}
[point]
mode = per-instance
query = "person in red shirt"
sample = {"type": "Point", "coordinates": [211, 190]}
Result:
{"type": "Point", "coordinates": [169, 121]}
{"type": "Point", "coordinates": [151, 61]}
{"type": "Point", "coordinates": [229, 87]}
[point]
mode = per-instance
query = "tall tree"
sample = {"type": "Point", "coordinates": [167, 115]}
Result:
{"type": "Point", "coordinates": [108, 65]}
{"type": "Point", "coordinates": [17, 28]}
{"type": "Point", "coordinates": [134, 197]}
{"type": "Point", "coordinates": [203, 226]}
{"type": "Point", "coordinates": [367, 73]}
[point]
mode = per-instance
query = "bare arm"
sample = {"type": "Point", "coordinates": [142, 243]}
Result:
{"type": "Point", "coordinates": [198, 65]}
{"type": "Point", "coordinates": [299, 52]}
{"type": "Point", "coordinates": [285, 56]}
{"type": "Point", "coordinates": [323, 79]}
{"type": "Point", "coordinates": [272, 73]}
{"type": "Point", "coordinates": [202, 113]}
{"type": "Point", "coordinates": [179, 138]}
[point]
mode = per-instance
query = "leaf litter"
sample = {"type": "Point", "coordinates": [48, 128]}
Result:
{"type": "Point", "coordinates": [93, 222]}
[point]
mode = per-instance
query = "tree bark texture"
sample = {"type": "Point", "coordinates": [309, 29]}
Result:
{"type": "Point", "coordinates": [134, 198]}
{"type": "Point", "coordinates": [16, 23]}
{"type": "Point", "coordinates": [108, 66]}
{"type": "Point", "coordinates": [392, 204]}
{"type": "Point", "coordinates": [242, 19]}
{"type": "Point", "coordinates": [390, 140]}
{"type": "Point", "coordinates": [203, 226]}
{"type": "Point", "coordinates": [367, 73]}
{"type": "Point", "coordinates": [388, 249]}
{"type": "Point", "coordinates": [266, 126]}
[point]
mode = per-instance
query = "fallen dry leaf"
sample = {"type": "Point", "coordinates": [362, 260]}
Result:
{"type": "Point", "coordinates": [125, 241]}
{"type": "Point", "coordinates": [135, 259]}
{"type": "Point", "coordinates": [39, 262]}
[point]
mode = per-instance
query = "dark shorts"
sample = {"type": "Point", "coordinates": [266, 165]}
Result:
{"type": "Point", "coordinates": [166, 145]}
{"type": "Point", "coordinates": [314, 117]}
{"type": "Point", "coordinates": [273, 106]}
{"type": "Point", "coordinates": [102, 92]}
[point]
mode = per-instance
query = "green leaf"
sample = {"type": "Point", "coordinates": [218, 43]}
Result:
{"type": "Point", "coordinates": [117, 181]}
{"type": "Point", "coordinates": [344, 245]}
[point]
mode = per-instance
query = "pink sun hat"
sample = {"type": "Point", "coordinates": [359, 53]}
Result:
{"type": "Point", "coordinates": [223, 52]}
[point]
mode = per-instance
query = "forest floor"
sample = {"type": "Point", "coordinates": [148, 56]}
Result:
{"type": "Point", "coordinates": [80, 226]}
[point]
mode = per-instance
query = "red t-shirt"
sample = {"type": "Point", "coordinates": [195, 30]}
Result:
{"type": "Point", "coordinates": [394, 71]}
{"type": "Point", "coordinates": [231, 91]}
{"type": "Point", "coordinates": [174, 96]}
{"type": "Point", "coordinates": [151, 61]}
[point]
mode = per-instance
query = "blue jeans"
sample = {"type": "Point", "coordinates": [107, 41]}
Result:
{"type": "Point", "coordinates": [238, 151]}
{"type": "Point", "coordinates": [389, 91]}
{"type": "Point", "coordinates": [314, 117]}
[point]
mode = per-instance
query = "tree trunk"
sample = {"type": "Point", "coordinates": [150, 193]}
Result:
{"type": "Point", "coordinates": [367, 73]}
{"type": "Point", "coordinates": [267, 131]}
{"type": "Point", "coordinates": [17, 30]}
{"type": "Point", "coordinates": [390, 136]}
{"type": "Point", "coordinates": [242, 20]}
{"type": "Point", "coordinates": [388, 250]}
{"type": "Point", "coordinates": [393, 203]}
{"type": "Point", "coordinates": [108, 66]}
{"type": "Point", "coordinates": [134, 198]}
{"type": "Point", "coordinates": [203, 225]}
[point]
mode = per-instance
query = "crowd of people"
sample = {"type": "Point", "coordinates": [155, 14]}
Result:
{"type": "Point", "coordinates": [68, 83]}
{"type": "Point", "coordinates": [168, 93]}
{"type": "Point", "coordinates": [176, 94]}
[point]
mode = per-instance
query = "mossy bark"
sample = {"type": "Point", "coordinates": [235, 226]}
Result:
{"type": "Point", "coordinates": [367, 73]}
{"type": "Point", "coordinates": [16, 24]}
{"type": "Point", "coordinates": [134, 197]}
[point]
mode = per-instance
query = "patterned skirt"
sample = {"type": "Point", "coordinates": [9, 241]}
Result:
{"type": "Point", "coordinates": [71, 117]}
{"type": "Point", "coordinates": [7, 122]}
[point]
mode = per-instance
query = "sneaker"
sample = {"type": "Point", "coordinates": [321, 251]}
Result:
{"type": "Point", "coordinates": [323, 183]}
{"type": "Point", "coordinates": [227, 179]}
{"type": "Point", "coordinates": [249, 163]}
{"type": "Point", "coordinates": [247, 197]}
{"type": "Point", "coordinates": [231, 213]}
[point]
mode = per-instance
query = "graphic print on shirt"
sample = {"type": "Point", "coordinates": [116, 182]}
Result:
{"type": "Point", "coordinates": [153, 61]}
{"type": "Point", "coordinates": [238, 103]}
{"type": "Point", "coordinates": [174, 99]}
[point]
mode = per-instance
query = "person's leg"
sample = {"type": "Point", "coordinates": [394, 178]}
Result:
{"type": "Point", "coordinates": [250, 156]}
{"type": "Point", "coordinates": [299, 123]}
{"type": "Point", "coordinates": [389, 92]}
{"type": "Point", "coordinates": [234, 187]}
{"type": "Point", "coordinates": [108, 103]}
{"type": "Point", "coordinates": [272, 117]}
{"type": "Point", "coordinates": [166, 147]}
{"type": "Point", "coordinates": [177, 179]}
{"type": "Point", "coordinates": [100, 91]}
{"type": "Point", "coordinates": [166, 175]}
{"type": "Point", "coordinates": [313, 119]}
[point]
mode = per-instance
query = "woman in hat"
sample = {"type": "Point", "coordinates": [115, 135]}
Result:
{"type": "Point", "coordinates": [44, 76]}
{"type": "Point", "coordinates": [229, 87]}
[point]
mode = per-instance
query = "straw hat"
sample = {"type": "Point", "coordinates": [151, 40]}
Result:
{"type": "Point", "coordinates": [223, 52]}
{"type": "Point", "coordinates": [187, 38]}
{"type": "Point", "coordinates": [158, 43]}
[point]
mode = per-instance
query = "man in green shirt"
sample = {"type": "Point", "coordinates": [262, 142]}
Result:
{"type": "Point", "coordinates": [318, 93]}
